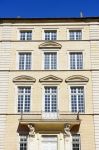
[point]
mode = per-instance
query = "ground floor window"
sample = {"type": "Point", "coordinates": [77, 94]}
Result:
{"type": "Point", "coordinates": [23, 142]}
{"type": "Point", "coordinates": [76, 142]}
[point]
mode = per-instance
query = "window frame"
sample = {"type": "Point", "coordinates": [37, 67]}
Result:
{"type": "Point", "coordinates": [77, 85]}
{"type": "Point", "coordinates": [25, 31]}
{"type": "Point", "coordinates": [16, 95]}
{"type": "Point", "coordinates": [52, 51]}
{"type": "Point", "coordinates": [17, 58]}
{"type": "Point", "coordinates": [26, 136]}
{"type": "Point", "coordinates": [68, 58]}
{"type": "Point", "coordinates": [25, 62]}
{"type": "Point", "coordinates": [75, 53]}
{"type": "Point", "coordinates": [75, 34]}
{"type": "Point", "coordinates": [50, 94]}
{"type": "Point", "coordinates": [50, 31]}
{"type": "Point", "coordinates": [19, 86]}
{"type": "Point", "coordinates": [75, 142]}
{"type": "Point", "coordinates": [43, 96]}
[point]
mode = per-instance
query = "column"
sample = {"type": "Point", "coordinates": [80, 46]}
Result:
{"type": "Point", "coordinates": [61, 141]}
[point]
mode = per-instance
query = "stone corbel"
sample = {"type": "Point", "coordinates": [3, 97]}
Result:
{"type": "Point", "coordinates": [67, 130]}
{"type": "Point", "coordinates": [31, 130]}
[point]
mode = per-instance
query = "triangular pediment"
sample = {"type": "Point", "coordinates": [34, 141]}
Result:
{"type": "Point", "coordinates": [24, 78]}
{"type": "Point", "coordinates": [50, 44]}
{"type": "Point", "coordinates": [77, 78]}
{"type": "Point", "coordinates": [50, 78]}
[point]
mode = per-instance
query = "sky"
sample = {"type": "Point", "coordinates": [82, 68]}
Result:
{"type": "Point", "coordinates": [48, 8]}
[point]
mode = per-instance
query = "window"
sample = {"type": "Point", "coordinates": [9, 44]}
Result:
{"type": "Point", "coordinates": [75, 35]}
{"type": "Point", "coordinates": [76, 142]}
{"type": "Point", "coordinates": [77, 99]}
{"type": "Point", "coordinates": [76, 60]}
{"type": "Point", "coordinates": [49, 142]}
{"type": "Point", "coordinates": [23, 142]}
{"type": "Point", "coordinates": [25, 35]}
{"type": "Point", "coordinates": [50, 60]}
{"type": "Point", "coordinates": [50, 99]}
{"type": "Point", "coordinates": [24, 61]}
{"type": "Point", "coordinates": [50, 35]}
{"type": "Point", "coordinates": [24, 98]}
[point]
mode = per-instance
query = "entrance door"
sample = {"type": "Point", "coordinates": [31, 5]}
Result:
{"type": "Point", "coordinates": [49, 142]}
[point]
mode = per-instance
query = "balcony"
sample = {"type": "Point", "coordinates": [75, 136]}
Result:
{"type": "Point", "coordinates": [49, 121]}
{"type": "Point", "coordinates": [41, 115]}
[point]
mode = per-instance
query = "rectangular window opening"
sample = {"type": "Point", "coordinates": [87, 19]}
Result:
{"type": "Point", "coordinates": [24, 99]}
{"type": "Point", "coordinates": [25, 35]}
{"type": "Point", "coordinates": [50, 60]}
{"type": "Point", "coordinates": [76, 142]}
{"type": "Point", "coordinates": [24, 61]}
{"type": "Point", "coordinates": [23, 142]}
{"type": "Point", "coordinates": [76, 60]}
{"type": "Point", "coordinates": [50, 99]}
{"type": "Point", "coordinates": [77, 99]}
{"type": "Point", "coordinates": [50, 35]}
{"type": "Point", "coordinates": [75, 34]}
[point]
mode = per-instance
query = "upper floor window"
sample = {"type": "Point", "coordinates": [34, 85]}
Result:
{"type": "Point", "coordinates": [50, 99]}
{"type": "Point", "coordinates": [77, 99]}
{"type": "Point", "coordinates": [24, 61]}
{"type": "Point", "coordinates": [50, 35]}
{"type": "Point", "coordinates": [24, 99]}
{"type": "Point", "coordinates": [50, 60]}
{"type": "Point", "coordinates": [76, 142]}
{"type": "Point", "coordinates": [25, 35]}
{"type": "Point", "coordinates": [75, 34]}
{"type": "Point", "coordinates": [23, 142]}
{"type": "Point", "coordinates": [76, 60]}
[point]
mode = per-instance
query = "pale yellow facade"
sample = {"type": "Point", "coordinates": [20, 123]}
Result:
{"type": "Point", "coordinates": [44, 124]}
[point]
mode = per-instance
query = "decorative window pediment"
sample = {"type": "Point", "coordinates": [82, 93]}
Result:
{"type": "Point", "coordinates": [24, 78]}
{"type": "Point", "coordinates": [50, 78]}
{"type": "Point", "coordinates": [50, 44]}
{"type": "Point", "coordinates": [77, 78]}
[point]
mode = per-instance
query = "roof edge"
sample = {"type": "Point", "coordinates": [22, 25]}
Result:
{"type": "Point", "coordinates": [57, 19]}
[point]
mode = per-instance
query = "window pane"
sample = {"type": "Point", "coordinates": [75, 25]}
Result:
{"type": "Point", "coordinates": [75, 35]}
{"type": "Point", "coordinates": [24, 61]}
{"type": "Point", "coordinates": [76, 142]}
{"type": "Point", "coordinates": [50, 60]}
{"type": "Point", "coordinates": [23, 142]}
{"type": "Point", "coordinates": [50, 35]}
{"type": "Point", "coordinates": [50, 99]}
{"type": "Point", "coordinates": [77, 99]}
{"type": "Point", "coordinates": [72, 35]}
{"type": "Point", "coordinates": [29, 35]}
{"type": "Point", "coordinates": [24, 97]}
{"type": "Point", "coordinates": [47, 35]}
{"type": "Point", "coordinates": [25, 35]}
{"type": "Point", "coordinates": [76, 60]}
{"type": "Point", "coordinates": [53, 35]}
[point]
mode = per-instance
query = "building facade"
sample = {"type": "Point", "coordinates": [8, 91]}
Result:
{"type": "Point", "coordinates": [49, 82]}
